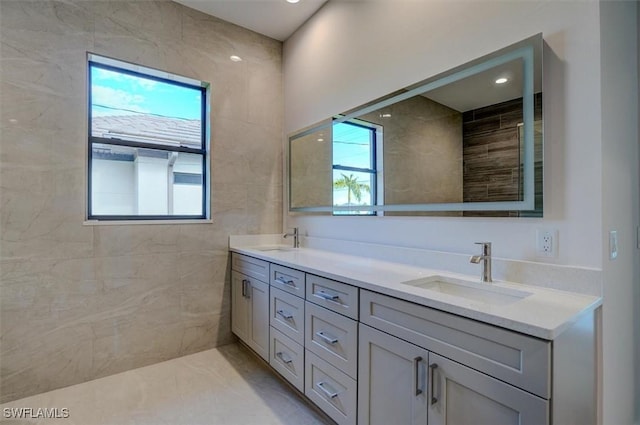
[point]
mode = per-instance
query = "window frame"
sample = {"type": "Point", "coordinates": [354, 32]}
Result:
{"type": "Point", "coordinates": [97, 61]}
{"type": "Point", "coordinates": [374, 131]}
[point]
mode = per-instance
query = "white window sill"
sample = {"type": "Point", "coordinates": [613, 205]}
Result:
{"type": "Point", "coordinates": [143, 222]}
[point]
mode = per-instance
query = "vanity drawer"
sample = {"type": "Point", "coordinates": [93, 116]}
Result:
{"type": "Point", "coordinates": [337, 296]}
{"type": "Point", "coordinates": [331, 390]}
{"type": "Point", "coordinates": [250, 266]}
{"type": "Point", "coordinates": [289, 280]}
{"type": "Point", "coordinates": [518, 359]}
{"type": "Point", "coordinates": [332, 337]}
{"type": "Point", "coordinates": [287, 314]}
{"type": "Point", "coordinates": [287, 358]}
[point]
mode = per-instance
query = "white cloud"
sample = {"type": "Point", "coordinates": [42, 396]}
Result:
{"type": "Point", "coordinates": [117, 100]}
{"type": "Point", "coordinates": [111, 76]}
{"type": "Point", "coordinates": [144, 83]}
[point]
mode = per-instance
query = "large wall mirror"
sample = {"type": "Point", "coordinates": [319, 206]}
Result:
{"type": "Point", "coordinates": [467, 142]}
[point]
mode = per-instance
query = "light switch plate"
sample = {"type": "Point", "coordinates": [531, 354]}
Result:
{"type": "Point", "coordinates": [613, 244]}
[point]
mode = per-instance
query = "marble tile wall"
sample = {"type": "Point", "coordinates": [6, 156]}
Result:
{"type": "Point", "coordinates": [79, 302]}
{"type": "Point", "coordinates": [311, 168]}
{"type": "Point", "coordinates": [422, 153]}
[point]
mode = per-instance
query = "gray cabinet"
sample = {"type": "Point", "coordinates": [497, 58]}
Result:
{"type": "Point", "coordinates": [286, 318]}
{"type": "Point", "coordinates": [521, 360]}
{"type": "Point", "coordinates": [330, 389]}
{"type": "Point", "coordinates": [250, 312]}
{"type": "Point", "coordinates": [332, 337]}
{"type": "Point", "coordinates": [373, 359]}
{"type": "Point", "coordinates": [392, 380]}
{"type": "Point", "coordinates": [459, 395]}
{"type": "Point", "coordinates": [250, 303]}
{"type": "Point", "coordinates": [476, 383]}
{"type": "Point", "coordinates": [240, 306]}
{"type": "Point", "coordinates": [287, 358]}
{"type": "Point", "coordinates": [402, 383]}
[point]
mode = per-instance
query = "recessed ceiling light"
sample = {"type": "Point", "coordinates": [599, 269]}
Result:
{"type": "Point", "coordinates": [235, 58]}
{"type": "Point", "coordinates": [501, 80]}
{"type": "Point", "coordinates": [320, 139]}
{"type": "Point", "coordinates": [292, 1]}
{"type": "Point", "coordinates": [385, 115]}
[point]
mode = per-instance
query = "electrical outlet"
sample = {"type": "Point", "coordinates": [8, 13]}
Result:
{"type": "Point", "coordinates": [546, 243]}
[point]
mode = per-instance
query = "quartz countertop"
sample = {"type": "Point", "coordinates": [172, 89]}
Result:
{"type": "Point", "coordinates": [545, 313]}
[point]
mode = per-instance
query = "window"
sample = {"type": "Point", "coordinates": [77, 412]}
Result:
{"type": "Point", "coordinates": [354, 166]}
{"type": "Point", "coordinates": [147, 144]}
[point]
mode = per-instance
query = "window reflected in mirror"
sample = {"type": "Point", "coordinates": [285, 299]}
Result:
{"type": "Point", "coordinates": [354, 166]}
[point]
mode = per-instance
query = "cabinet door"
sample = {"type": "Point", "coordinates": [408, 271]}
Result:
{"type": "Point", "coordinates": [239, 306]}
{"type": "Point", "coordinates": [459, 395]}
{"type": "Point", "coordinates": [259, 318]}
{"type": "Point", "coordinates": [250, 312]}
{"type": "Point", "coordinates": [391, 380]}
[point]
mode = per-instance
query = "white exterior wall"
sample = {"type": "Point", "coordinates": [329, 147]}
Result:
{"type": "Point", "coordinates": [151, 181]}
{"type": "Point", "coordinates": [113, 187]}
{"type": "Point", "coordinates": [141, 187]}
{"type": "Point", "coordinates": [352, 52]}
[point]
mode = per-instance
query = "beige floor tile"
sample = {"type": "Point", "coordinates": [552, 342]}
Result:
{"type": "Point", "coordinates": [222, 386]}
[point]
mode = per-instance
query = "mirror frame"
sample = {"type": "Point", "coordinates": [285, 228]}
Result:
{"type": "Point", "coordinates": [524, 50]}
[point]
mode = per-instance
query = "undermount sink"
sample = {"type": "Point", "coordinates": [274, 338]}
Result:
{"type": "Point", "coordinates": [274, 248]}
{"type": "Point", "coordinates": [485, 293]}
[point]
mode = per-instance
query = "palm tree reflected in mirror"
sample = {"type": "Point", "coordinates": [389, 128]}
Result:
{"type": "Point", "coordinates": [355, 189]}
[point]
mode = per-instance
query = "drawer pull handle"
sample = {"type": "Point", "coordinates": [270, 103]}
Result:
{"type": "Point", "coordinates": [326, 389]}
{"type": "Point", "coordinates": [327, 338]}
{"type": "Point", "coordinates": [416, 375]}
{"type": "Point", "coordinates": [285, 359]}
{"type": "Point", "coordinates": [327, 296]}
{"type": "Point", "coordinates": [285, 314]}
{"type": "Point", "coordinates": [284, 281]}
{"type": "Point", "coordinates": [245, 288]}
{"type": "Point", "coordinates": [432, 368]}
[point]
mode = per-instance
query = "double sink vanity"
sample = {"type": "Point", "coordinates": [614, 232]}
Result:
{"type": "Point", "coordinates": [378, 342]}
{"type": "Point", "coordinates": [384, 335]}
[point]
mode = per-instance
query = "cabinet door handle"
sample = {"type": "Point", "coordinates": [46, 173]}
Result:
{"type": "Point", "coordinates": [416, 375]}
{"type": "Point", "coordinates": [326, 389]}
{"type": "Point", "coordinates": [285, 314]}
{"type": "Point", "coordinates": [245, 288]}
{"type": "Point", "coordinates": [327, 296]}
{"type": "Point", "coordinates": [432, 368]}
{"type": "Point", "coordinates": [285, 359]}
{"type": "Point", "coordinates": [327, 338]}
{"type": "Point", "coordinates": [284, 281]}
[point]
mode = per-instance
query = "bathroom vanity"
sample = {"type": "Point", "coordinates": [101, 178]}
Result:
{"type": "Point", "coordinates": [375, 342]}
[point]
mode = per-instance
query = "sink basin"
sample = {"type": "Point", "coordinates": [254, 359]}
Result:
{"type": "Point", "coordinates": [484, 293]}
{"type": "Point", "coordinates": [273, 248]}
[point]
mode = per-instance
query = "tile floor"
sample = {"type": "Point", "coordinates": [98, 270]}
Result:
{"type": "Point", "coordinates": [223, 386]}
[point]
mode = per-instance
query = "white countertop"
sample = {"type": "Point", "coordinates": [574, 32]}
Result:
{"type": "Point", "coordinates": [545, 313]}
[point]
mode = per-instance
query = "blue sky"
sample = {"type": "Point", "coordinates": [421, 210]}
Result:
{"type": "Point", "coordinates": [351, 145]}
{"type": "Point", "coordinates": [114, 93]}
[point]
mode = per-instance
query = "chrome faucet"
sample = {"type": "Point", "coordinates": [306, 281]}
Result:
{"type": "Point", "coordinates": [485, 257]}
{"type": "Point", "coordinates": [296, 237]}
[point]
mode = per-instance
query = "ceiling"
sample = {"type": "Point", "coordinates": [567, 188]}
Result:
{"type": "Point", "coordinates": [277, 19]}
{"type": "Point", "coordinates": [480, 90]}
